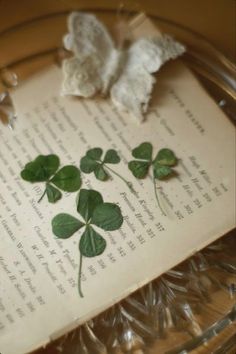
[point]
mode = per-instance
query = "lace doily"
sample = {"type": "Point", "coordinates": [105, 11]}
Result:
{"type": "Point", "coordinates": [98, 67]}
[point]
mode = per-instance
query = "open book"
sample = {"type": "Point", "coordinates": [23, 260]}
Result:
{"type": "Point", "coordinates": [39, 300]}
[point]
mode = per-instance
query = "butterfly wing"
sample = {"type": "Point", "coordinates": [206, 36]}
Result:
{"type": "Point", "coordinates": [89, 70]}
{"type": "Point", "coordinates": [132, 91]}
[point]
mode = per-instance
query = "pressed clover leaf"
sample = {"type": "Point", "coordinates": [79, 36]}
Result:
{"type": "Point", "coordinates": [87, 201]}
{"type": "Point", "coordinates": [94, 212]}
{"type": "Point", "coordinates": [41, 169]}
{"type": "Point", "coordinates": [161, 165]}
{"type": "Point", "coordinates": [45, 169]}
{"type": "Point", "coordinates": [165, 157]}
{"type": "Point", "coordinates": [67, 178]}
{"type": "Point", "coordinates": [111, 156]}
{"type": "Point", "coordinates": [65, 225]}
{"type": "Point", "coordinates": [162, 172]}
{"type": "Point", "coordinates": [53, 193]}
{"type": "Point", "coordinates": [143, 151]}
{"type": "Point", "coordinates": [139, 168]}
{"type": "Point", "coordinates": [91, 243]}
{"type": "Point", "coordinates": [93, 162]}
{"type": "Point", "coordinates": [107, 216]}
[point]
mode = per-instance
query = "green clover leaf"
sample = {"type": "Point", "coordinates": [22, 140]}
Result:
{"type": "Point", "coordinates": [41, 169]}
{"type": "Point", "coordinates": [88, 165]}
{"type": "Point", "coordinates": [53, 193]}
{"type": "Point", "coordinates": [45, 169]}
{"type": "Point", "coordinates": [143, 152]}
{"type": "Point", "coordinates": [65, 225]}
{"type": "Point", "coordinates": [67, 178]}
{"type": "Point", "coordinates": [94, 212]}
{"type": "Point", "coordinates": [91, 243]}
{"type": "Point", "coordinates": [107, 216]}
{"type": "Point", "coordinates": [139, 168]}
{"type": "Point", "coordinates": [93, 162]}
{"type": "Point", "coordinates": [100, 173]}
{"type": "Point", "coordinates": [165, 157]}
{"type": "Point", "coordinates": [87, 201]}
{"type": "Point", "coordinates": [161, 166]}
{"type": "Point", "coordinates": [162, 172]}
{"type": "Point", "coordinates": [95, 153]}
{"type": "Point", "coordinates": [111, 156]}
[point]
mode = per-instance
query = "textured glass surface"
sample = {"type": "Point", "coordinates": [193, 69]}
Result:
{"type": "Point", "coordinates": [178, 312]}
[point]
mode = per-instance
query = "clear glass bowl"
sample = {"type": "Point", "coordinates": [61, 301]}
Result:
{"type": "Point", "coordinates": [190, 306]}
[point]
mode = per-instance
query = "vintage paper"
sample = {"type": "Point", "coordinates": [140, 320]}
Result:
{"type": "Point", "coordinates": [38, 273]}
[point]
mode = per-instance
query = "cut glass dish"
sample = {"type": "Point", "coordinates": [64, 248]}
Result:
{"type": "Point", "coordinates": [191, 304]}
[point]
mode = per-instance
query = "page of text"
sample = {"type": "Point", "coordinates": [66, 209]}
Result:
{"type": "Point", "coordinates": [38, 273]}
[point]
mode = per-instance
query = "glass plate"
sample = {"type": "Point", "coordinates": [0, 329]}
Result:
{"type": "Point", "coordinates": [192, 306]}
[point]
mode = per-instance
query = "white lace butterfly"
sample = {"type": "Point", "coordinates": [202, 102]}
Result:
{"type": "Point", "coordinates": [97, 66]}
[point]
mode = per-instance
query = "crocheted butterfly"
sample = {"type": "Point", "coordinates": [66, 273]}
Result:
{"type": "Point", "coordinates": [97, 66]}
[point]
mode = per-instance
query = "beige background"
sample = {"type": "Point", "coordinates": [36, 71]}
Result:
{"type": "Point", "coordinates": [215, 19]}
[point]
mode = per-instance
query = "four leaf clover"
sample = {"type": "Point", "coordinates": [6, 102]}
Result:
{"type": "Point", "coordinates": [93, 162]}
{"type": "Point", "coordinates": [45, 169]}
{"type": "Point", "coordinates": [94, 213]}
{"type": "Point", "coordinates": [161, 165]}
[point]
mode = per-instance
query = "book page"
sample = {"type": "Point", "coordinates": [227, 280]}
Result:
{"type": "Point", "coordinates": [39, 299]}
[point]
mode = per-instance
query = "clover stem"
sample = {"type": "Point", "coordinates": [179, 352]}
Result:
{"type": "Point", "coordinates": [42, 195]}
{"type": "Point", "coordinates": [156, 195]}
{"type": "Point", "coordinates": [129, 184]}
{"type": "Point", "coordinates": [79, 277]}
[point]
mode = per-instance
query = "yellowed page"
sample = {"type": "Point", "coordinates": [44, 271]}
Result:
{"type": "Point", "coordinates": [38, 273]}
